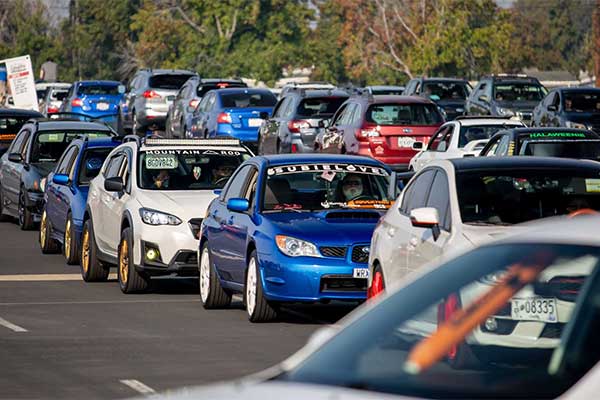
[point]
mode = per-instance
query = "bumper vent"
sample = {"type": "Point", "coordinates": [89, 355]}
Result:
{"type": "Point", "coordinates": [194, 225]}
{"type": "Point", "coordinates": [342, 283]}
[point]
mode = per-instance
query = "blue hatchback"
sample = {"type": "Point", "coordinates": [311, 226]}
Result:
{"type": "Point", "coordinates": [94, 98]}
{"type": "Point", "coordinates": [65, 195]}
{"type": "Point", "coordinates": [292, 229]}
{"type": "Point", "coordinates": [237, 112]}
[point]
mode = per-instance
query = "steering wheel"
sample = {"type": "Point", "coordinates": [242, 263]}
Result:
{"type": "Point", "coordinates": [361, 197]}
{"type": "Point", "coordinates": [583, 211]}
{"type": "Point", "coordinates": [222, 180]}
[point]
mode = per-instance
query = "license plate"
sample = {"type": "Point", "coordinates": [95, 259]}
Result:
{"type": "Point", "coordinates": [405, 142]}
{"type": "Point", "coordinates": [534, 309]}
{"type": "Point", "coordinates": [254, 122]}
{"type": "Point", "coordinates": [167, 161]}
{"type": "Point", "coordinates": [362, 273]}
{"type": "Point", "coordinates": [102, 106]}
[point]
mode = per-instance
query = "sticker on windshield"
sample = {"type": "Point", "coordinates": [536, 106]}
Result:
{"type": "Point", "coordinates": [166, 161]}
{"type": "Point", "coordinates": [197, 171]}
{"type": "Point", "coordinates": [592, 185]}
{"type": "Point", "coordinates": [328, 176]}
{"type": "Point", "coordinates": [196, 152]}
{"type": "Point", "coordinates": [365, 204]}
{"type": "Point", "coordinates": [354, 168]}
{"type": "Point", "coordinates": [545, 135]}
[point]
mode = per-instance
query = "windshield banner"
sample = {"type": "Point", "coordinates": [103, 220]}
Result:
{"type": "Point", "coordinates": [353, 168]}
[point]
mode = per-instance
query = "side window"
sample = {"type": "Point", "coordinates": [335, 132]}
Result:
{"type": "Point", "coordinates": [210, 102]}
{"type": "Point", "coordinates": [339, 114]}
{"type": "Point", "coordinates": [487, 90]}
{"type": "Point", "coordinates": [279, 107]}
{"type": "Point", "coordinates": [290, 108]}
{"type": "Point", "coordinates": [419, 191]}
{"type": "Point", "coordinates": [201, 106]}
{"type": "Point", "coordinates": [556, 100]}
{"type": "Point", "coordinates": [250, 194]}
{"type": "Point", "coordinates": [114, 166]}
{"type": "Point", "coordinates": [417, 87]}
{"type": "Point", "coordinates": [502, 149]}
{"type": "Point", "coordinates": [438, 139]}
{"type": "Point", "coordinates": [236, 185]}
{"type": "Point", "coordinates": [125, 172]}
{"type": "Point", "coordinates": [15, 147]}
{"type": "Point", "coordinates": [356, 117]}
{"type": "Point", "coordinates": [439, 198]}
{"type": "Point", "coordinates": [25, 145]}
{"type": "Point", "coordinates": [63, 163]}
{"type": "Point", "coordinates": [345, 119]}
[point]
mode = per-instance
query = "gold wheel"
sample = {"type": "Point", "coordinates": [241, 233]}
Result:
{"type": "Point", "coordinates": [85, 253]}
{"type": "Point", "coordinates": [68, 240]}
{"type": "Point", "coordinates": [43, 224]}
{"type": "Point", "coordinates": [124, 261]}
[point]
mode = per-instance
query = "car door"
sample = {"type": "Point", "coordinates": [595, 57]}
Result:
{"type": "Point", "coordinates": [58, 196]}
{"type": "Point", "coordinates": [342, 125]}
{"type": "Point", "coordinates": [119, 202]}
{"type": "Point", "coordinates": [426, 246]}
{"type": "Point", "coordinates": [130, 98]}
{"type": "Point", "coordinates": [11, 171]}
{"type": "Point", "coordinates": [269, 131]}
{"type": "Point", "coordinates": [205, 118]}
{"type": "Point", "coordinates": [108, 202]}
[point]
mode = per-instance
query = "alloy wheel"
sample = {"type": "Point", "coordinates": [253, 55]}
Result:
{"type": "Point", "coordinates": [124, 261]}
{"type": "Point", "coordinates": [251, 287]}
{"type": "Point", "coordinates": [204, 275]}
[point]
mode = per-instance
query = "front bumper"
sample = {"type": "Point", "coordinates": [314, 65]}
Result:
{"type": "Point", "coordinates": [310, 279]}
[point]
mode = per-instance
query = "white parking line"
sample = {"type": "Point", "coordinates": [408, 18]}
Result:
{"type": "Point", "coordinates": [138, 386]}
{"type": "Point", "coordinates": [45, 277]}
{"type": "Point", "coordinates": [11, 326]}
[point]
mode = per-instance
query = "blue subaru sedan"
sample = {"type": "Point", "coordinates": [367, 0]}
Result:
{"type": "Point", "coordinates": [94, 98]}
{"type": "Point", "coordinates": [292, 229]}
{"type": "Point", "coordinates": [65, 195]}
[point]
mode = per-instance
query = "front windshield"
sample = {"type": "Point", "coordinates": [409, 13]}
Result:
{"type": "Point", "coordinates": [517, 91]}
{"type": "Point", "coordinates": [580, 149]}
{"type": "Point", "coordinates": [446, 90]}
{"type": "Point", "coordinates": [581, 102]}
{"type": "Point", "coordinates": [403, 114]}
{"type": "Point", "coordinates": [187, 169]}
{"type": "Point", "coordinates": [484, 325]}
{"type": "Point", "coordinates": [48, 146]}
{"type": "Point", "coordinates": [511, 197]}
{"type": "Point", "coordinates": [480, 132]}
{"type": "Point", "coordinates": [310, 187]}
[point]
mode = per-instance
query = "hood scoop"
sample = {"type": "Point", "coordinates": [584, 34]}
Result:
{"type": "Point", "coordinates": [351, 216]}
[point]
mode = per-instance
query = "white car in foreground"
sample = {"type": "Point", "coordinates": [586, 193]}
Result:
{"type": "Point", "coordinates": [372, 353]}
{"type": "Point", "coordinates": [463, 137]}
{"type": "Point", "coordinates": [145, 208]}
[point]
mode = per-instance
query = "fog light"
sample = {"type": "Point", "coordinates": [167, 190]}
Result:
{"type": "Point", "coordinates": [491, 324]}
{"type": "Point", "coordinates": [152, 254]}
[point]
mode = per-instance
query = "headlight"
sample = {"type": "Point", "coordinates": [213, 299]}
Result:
{"type": "Point", "coordinates": [575, 125]}
{"type": "Point", "coordinates": [295, 247]}
{"type": "Point", "coordinates": [153, 217]}
{"type": "Point", "coordinates": [43, 184]}
{"type": "Point", "coordinates": [505, 112]}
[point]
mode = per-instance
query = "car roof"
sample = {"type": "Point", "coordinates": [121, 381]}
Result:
{"type": "Point", "coordinates": [318, 92]}
{"type": "Point", "coordinates": [48, 125]}
{"type": "Point", "coordinates": [488, 121]}
{"type": "Point", "coordinates": [86, 83]}
{"type": "Point", "coordinates": [241, 90]}
{"type": "Point", "coordinates": [432, 79]}
{"type": "Point", "coordinates": [298, 158]}
{"type": "Point", "coordinates": [517, 162]}
{"type": "Point", "coordinates": [17, 112]}
{"type": "Point", "coordinates": [384, 87]}
{"type": "Point", "coordinates": [98, 142]}
{"type": "Point", "coordinates": [217, 80]}
{"type": "Point", "coordinates": [169, 71]}
{"type": "Point", "coordinates": [393, 98]}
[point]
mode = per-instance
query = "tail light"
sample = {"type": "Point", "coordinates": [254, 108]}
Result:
{"type": "Point", "coordinates": [194, 103]}
{"type": "Point", "coordinates": [294, 148]}
{"type": "Point", "coordinates": [76, 102]}
{"type": "Point", "coordinates": [224, 118]}
{"type": "Point", "coordinates": [294, 126]}
{"type": "Point", "coordinates": [151, 94]}
{"type": "Point", "coordinates": [52, 110]}
{"type": "Point", "coordinates": [377, 286]}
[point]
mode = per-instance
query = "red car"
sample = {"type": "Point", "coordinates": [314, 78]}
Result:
{"type": "Point", "coordinates": [382, 127]}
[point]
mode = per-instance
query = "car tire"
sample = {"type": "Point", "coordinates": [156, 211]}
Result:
{"type": "Point", "coordinates": [212, 293]}
{"type": "Point", "coordinates": [25, 216]}
{"type": "Point", "coordinates": [130, 280]}
{"type": "Point", "coordinates": [3, 216]}
{"type": "Point", "coordinates": [257, 306]}
{"type": "Point", "coordinates": [70, 245]}
{"type": "Point", "coordinates": [92, 269]}
{"type": "Point", "coordinates": [47, 244]}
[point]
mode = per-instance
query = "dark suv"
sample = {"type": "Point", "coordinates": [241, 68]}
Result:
{"type": "Point", "coordinates": [295, 121]}
{"type": "Point", "coordinates": [149, 95]}
{"type": "Point", "coordinates": [179, 117]}
{"type": "Point", "coordinates": [506, 95]}
{"type": "Point", "coordinates": [448, 93]}
{"type": "Point", "coordinates": [381, 127]}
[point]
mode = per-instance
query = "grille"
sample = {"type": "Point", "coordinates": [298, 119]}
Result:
{"type": "Point", "coordinates": [194, 225]}
{"type": "Point", "coordinates": [552, 331]}
{"type": "Point", "coordinates": [187, 257]}
{"type": "Point", "coordinates": [352, 215]}
{"type": "Point", "coordinates": [336, 252]}
{"type": "Point", "coordinates": [359, 255]}
{"type": "Point", "coordinates": [342, 283]}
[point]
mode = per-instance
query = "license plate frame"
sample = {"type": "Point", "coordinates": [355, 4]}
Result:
{"type": "Point", "coordinates": [254, 122]}
{"type": "Point", "coordinates": [360, 273]}
{"type": "Point", "coordinates": [406, 142]}
{"type": "Point", "coordinates": [102, 106]}
{"type": "Point", "coordinates": [540, 309]}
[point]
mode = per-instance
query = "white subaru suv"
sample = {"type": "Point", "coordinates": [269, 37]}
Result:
{"type": "Point", "coordinates": [145, 208]}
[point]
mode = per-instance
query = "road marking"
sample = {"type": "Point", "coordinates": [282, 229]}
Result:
{"type": "Point", "coordinates": [45, 277]}
{"type": "Point", "coordinates": [138, 386]}
{"type": "Point", "coordinates": [51, 303]}
{"type": "Point", "coordinates": [11, 326]}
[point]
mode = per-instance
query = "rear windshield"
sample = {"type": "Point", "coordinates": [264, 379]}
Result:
{"type": "Point", "coordinates": [91, 163]}
{"type": "Point", "coordinates": [470, 133]}
{"type": "Point", "coordinates": [206, 87]}
{"type": "Point", "coordinates": [9, 127]}
{"type": "Point", "coordinates": [98, 89]}
{"type": "Point", "coordinates": [581, 102]}
{"type": "Point", "coordinates": [169, 82]}
{"type": "Point", "coordinates": [512, 197]}
{"type": "Point", "coordinates": [518, 91]}
{"type": "Point", "coordinates": [446, 90]}
{"type": "Point", "coordinates": [49, 146]}
{"type": "Point", "coordinates": [247, 100]}
{"type": "Point", "coordinates": [319, 107]}
{"type": "Point", "coordinates": [58, 95]}
{"type": "Point", "coordinates": [581, 149]}
{"type": "Point", "coordinates": [404, 114]}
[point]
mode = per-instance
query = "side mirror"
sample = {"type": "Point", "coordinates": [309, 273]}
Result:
{"type": "Point", "coordinates": [426, 217]}
{"type": "Point", "coordinates": [218, 191]}
{"type": "Point", "coordinates": [15, 157]}
{"type": "Point", "coordinates": [60, 179]}
{"type": "Point", "coordinates": [552, 107]}
{"type": "Point", "coordinates": [419, 146]}
{"type": "Point", "coordinates": [263, 115]}
{"type": "Point", "coordinates": [484, 98]}
{"type": "Point", "coordinates": [114, 184]}
{"type": "Point", "coordinates": [238, 205]}
{"type": "Point", "coordinates": [324, 123]}
{"type": "Point", "coordinates": [121, 89]}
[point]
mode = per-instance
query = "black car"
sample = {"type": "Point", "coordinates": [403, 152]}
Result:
{"type": "Point", "coordinates": [569, 107]}
{"type": "Point", "coordinates": [11, 121]}
{"type": "Point", "coordinates": [294, 124]}
{"type": "Point", "coordinates": [544, 142]}
{"type": "Point", "coordinates": [30, 157]}
{"type": "Point", "coordinates": [448, 93]}
{"type": "Point", "coordinates": [179, 117]}
{"type": "Point", "coordinates": [506, 96]}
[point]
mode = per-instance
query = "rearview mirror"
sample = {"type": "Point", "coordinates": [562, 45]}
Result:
{"type": "Point", "coordinates": [60, 179]}
{"type": "Point", "coordinates": [15, 157]}
{"type": "Point", "coordinates": [419, 146]}
{"type": "Point", "coordinates": [238, 205]}
{"type": "Point", "coordinates": [426, 217]}
{"type": "Point", "coordinates": [114, 184]}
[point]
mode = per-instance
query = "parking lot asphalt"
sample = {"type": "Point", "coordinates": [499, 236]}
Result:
{"type": "Point", "coordinates": [63, 338]}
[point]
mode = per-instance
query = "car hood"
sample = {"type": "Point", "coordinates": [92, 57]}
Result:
{"type": "Point", "coordinates": [334, 228]}
{"type": "Point", "coordinates": [273, 390]}
{"type": "Point", "coordinates": [183, 204]}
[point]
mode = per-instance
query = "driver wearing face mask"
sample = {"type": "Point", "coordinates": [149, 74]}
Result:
{"type": "Point", "coordinates": [352, 187]}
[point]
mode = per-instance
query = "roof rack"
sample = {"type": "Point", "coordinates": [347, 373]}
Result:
{"type": "Point", "coordinates": [132, 138]}
{"type": "Point", "coordinates": [191, 142]}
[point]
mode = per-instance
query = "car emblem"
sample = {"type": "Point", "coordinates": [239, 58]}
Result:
{"type": "Point", "coordinates": [365, 250]}
{"type": "Point", "coordinates": [197, 171]}
{"type": "Point", "coordinates": [407, 130]}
